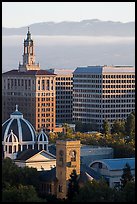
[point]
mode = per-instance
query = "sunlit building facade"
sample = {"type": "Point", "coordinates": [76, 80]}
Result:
{"type": "Point", "coordinates": [103, 92]}
{"type": "Point", "coordinates": [32, 89]}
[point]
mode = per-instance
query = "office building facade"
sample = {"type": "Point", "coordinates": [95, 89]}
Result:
{"type": "Point", "coordinates": [103, 92]}
{"type": "Point", "coordinates": [64, 96]}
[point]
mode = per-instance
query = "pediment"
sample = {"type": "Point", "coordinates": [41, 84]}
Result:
{"type": "Point", "coordinates": [42, 156]}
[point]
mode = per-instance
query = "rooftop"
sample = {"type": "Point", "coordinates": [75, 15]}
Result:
{"type": "Point", "coordinates": [117, 164]}
{"type": "Point", "coordinates": [15, 72]}
{"type": "Point", "coordinates": [105, 69]}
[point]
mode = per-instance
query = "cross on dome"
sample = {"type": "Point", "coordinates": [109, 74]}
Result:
{"type": "Point", "coordinates": [16, 107]}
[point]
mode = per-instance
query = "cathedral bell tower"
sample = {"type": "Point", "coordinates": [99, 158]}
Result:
{"type": "Point", "coordinates": [28, 55]}
{"type": "Point", "coordinates": [67, 159]}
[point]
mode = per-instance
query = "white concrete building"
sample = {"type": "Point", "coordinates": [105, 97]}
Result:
{"type": "Point", "coordinates": [103, 92]}
{"type": "Point", "coordinates": [112, 169]}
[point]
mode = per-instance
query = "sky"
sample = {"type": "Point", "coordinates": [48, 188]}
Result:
{"type": "Point", "coordinates": [18, 14]}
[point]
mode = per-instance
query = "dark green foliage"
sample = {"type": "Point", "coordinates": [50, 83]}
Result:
{"type": "Point", "coordinates": [106, 127]}
{"type": "Point", "coordinates": [129, 192]}
{"type": "Point", "coordinates": [118, 127]}
{"type": "Point", "coordinates": [15, 175]}
{"type": "Point", "coordinates": [123, 151]}
{"type": "Point", "coordinates": [126, 176]}
{"type": "Point", "coordinates": [130, 125]}
{"type": "Point", "coordinates": [73, 187]}
{"type": "Point", "coordinates": [97, 191]}
{"type": "Point", "coordinates": [19, 184]}
{"type": "Point", "coordinates": [20, 194]}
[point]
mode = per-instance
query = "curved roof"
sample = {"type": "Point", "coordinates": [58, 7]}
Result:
{"type": "Point", "coordinates": [21, 127]}
{"type": "Point", "coordinates": [42, 137]}
{"type": "Point", "coordinates": [116, 164]}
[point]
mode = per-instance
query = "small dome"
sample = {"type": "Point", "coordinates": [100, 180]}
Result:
{"type": "Point", "coordinates": [21, 127]}
{"type": "Point", "coordinates": [42, 137]}
{"type": "Point", "coordinates": [11, 137]}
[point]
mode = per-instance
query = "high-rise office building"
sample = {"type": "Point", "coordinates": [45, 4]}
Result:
{"type": "Point", "coordinates": [103, 92]}
{"type": "Point", "coordinates": [64, 96]}
{"type": "Point", "coordinates": [32, 89]}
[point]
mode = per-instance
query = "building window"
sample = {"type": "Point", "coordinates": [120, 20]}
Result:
{"type": "Point", "coordinates": [48, 188]}
{"type": "Point", "coordinates": [100, 165]}
{"type": "Point", "coordinates": [73, 155]}
{"type": "Point", "coordinates": [60, 189]}
{"type": "Point", "coordinates": [10, 149]}
{"type": "Point", "coordinates": [14, 148]}
{"type": "Point", "coordinates": [61, 157]}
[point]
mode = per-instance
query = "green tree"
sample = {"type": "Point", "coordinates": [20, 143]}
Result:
{"type": "Point", "coordinates": [118, 126]}
{"type": "Point", "coordinates": [73, 187]}
{"type": "Point", "coordinates": [67, 130]}
{"type": "Point", "coordinates": [14, 175]}
{"type": "Point", "coordinates": [97, 191]}
{"type": "Point", "coordinates": [20, 194]}
{"type": "Point", "coordinates": [106, 127]}
{"type": "Point", "coordinates": [129, 192]}
{"type": "Point", "coordinates": [126, 176]}
{"type": "Point", "coordinates": [130, 125]}
{"type": "Point", "coordinates": [79, 126]}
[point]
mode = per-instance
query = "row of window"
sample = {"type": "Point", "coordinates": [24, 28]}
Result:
{"type": "Point", "coordinates": [64, 88]}
{"type": "Point", "coordinates": [64, 97]}
{"type": "Point", "coordinates": [64, 78]}
{"type": "Point", "coordinates": [64, 83]}
{"type": "Point", "coordinates": [119, 86]}
{"type": "Point", "coordinates": [46, 110]}
{"type": "Point", "coordinates": [77, 95]}
{"type": "Point", "coordinates": [104, 76]}
{"type": "Point", "coordinates": [95, 82]}
{"type": "Point", "coordinates": [85, 81]}
{"type": "Point", "coordinates": [86, 115]}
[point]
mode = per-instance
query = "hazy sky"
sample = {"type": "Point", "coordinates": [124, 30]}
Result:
{"type": "Point", "coordinates": [18, 14]}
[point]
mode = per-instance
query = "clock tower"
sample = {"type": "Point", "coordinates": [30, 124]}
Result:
{"type": "Point", "coordinates": [28, 55]}
{"type": "Point", "coordinates": [67, 159]}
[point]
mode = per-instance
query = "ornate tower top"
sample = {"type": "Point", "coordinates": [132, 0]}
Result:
{"type": "Point", "coordinates": [28, 55]}
{"type": "Point", "coordinates": [28, 35]}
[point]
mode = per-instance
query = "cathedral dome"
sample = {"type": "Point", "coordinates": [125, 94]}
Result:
{"type": "Point", "coordinates": [42, 137]}
{"type": "Point", "coordinates": [42, 140]}
{"type": "Point", "coordinates": [21, 127]}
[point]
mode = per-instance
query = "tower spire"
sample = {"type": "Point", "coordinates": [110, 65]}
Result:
{"type": "Point", "coordinates": [28, 55]}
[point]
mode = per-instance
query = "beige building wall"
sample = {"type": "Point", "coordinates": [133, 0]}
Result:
{"type": "Point", "coordinates": [39, 165]}
{"type": "Point", "coordinates": [67, 159]}
{"type": "Point", "coordinates": [37, 103]}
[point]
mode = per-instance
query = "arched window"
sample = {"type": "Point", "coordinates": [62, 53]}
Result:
{"type": "Point", "coordinates": [60, 189]}
{"type": "Point", "coordinates": [73, 155]}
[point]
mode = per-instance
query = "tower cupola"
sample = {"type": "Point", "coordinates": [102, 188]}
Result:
{"type": "Point", "coordinates": [28, 55]}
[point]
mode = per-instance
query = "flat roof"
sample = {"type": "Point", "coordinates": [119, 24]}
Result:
{"type": "Point", "coordinates": [105, 69]}
{"type": "Point", "coordinates": [28, 73]}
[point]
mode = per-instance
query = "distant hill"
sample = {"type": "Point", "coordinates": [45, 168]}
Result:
{"type": "Point", "coordinates": [93, 27]}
